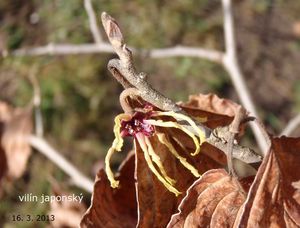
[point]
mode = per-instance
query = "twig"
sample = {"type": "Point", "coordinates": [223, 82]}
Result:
{"type": "Point", "coordinates": [63, 49]}
{"type": "Point", "coordinates": [76, 176]}
{"type": "Point", "coordinates": [291, 126]}
{"type": "Point", "coordinates": [239, 152]}
{"type": "Point", "coordinates": [231, 64]}
{"type": "Point", "coordinates": [183, 51]}
{"type": "Point", "coordinates": [93, 21]}
{"type": "Point", "coordinates": [87, 49]}
{"type": "Point", "coordinates": [117, 75]}
{"type": "Point", "coordinates": [124, 70]}
{"type": "Point", "coordinates": [125, 67]}
{"type": "Point", "coordinates": [233, 131]}
{"type": "Point", "coordinates": [264, 132]}
{"type": "Point", "coordinates": [39, 129]}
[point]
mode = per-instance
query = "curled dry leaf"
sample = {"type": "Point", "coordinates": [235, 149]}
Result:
{"type": "Point", "coordinates": [212, 201]}
{"type": "Point", "coordinates": [212, 103]}
{"type": "Point", "coordinates": [273, 199]}
{"type": "Point", "coordinates": [66, 213]}
{"type": "Point", "coordinates": [16, 126]}
{"type": "Point", "coordinates": [113, 208]}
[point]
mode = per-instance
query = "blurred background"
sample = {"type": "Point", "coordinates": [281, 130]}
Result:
{"type": "Point", "coordinates": [80, 98]}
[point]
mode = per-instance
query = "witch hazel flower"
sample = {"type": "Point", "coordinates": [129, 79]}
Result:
{"type": "Point", "coordinates": [142, 125]}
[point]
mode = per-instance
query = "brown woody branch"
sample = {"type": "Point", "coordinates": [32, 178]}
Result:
{"type": "Point", "coordinates": [124, 71]}
{"type": "Point", "coordinates": [125, 67]}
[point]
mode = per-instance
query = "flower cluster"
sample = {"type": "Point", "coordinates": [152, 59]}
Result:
{"type": "Point", "coordinates": [141, 125]}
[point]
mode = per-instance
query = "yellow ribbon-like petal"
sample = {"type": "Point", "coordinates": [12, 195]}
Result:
{"type": "Point", "coordinates": [200, 133]}
{"type": "Point", "coordinates": [141, 139]}
{"type": "Point", "coordinates": [156, 159]}
{"type": "Point", "coordinates": [161, 123]}
{"type": "Point", "coordinates": [162, 138]}
{"type": "Point", "coordinates": [116, 146]}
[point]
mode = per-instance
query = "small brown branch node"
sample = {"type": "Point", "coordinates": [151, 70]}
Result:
{"type": "Point", "coordinates": [233, 131]}
{"type": "Point", "coordinates": [113, 66]}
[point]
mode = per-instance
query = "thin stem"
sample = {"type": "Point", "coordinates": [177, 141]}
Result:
{"type": "Point", "coordinates": [93, 21]}
{"type": "Point", "coordinates": [231, 64]}
{"type": "Point", "coordinates": [292, 125]}
{"type": "Point", "coordinates": [183, 51]}
{"type": "Point", "coordinates": [38, 119]}
{"type": "Point", "coordinates": [124, 65]}
{"type": "Point", "coordinates": [234, 130]}
{"type": "Point", "coordinates": [63, 49]}
{"type": "Point", "coordinates": [104, 47]}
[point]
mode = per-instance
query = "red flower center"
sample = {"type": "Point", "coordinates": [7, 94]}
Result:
{"type": "Point", "coordinates": [137, 125]}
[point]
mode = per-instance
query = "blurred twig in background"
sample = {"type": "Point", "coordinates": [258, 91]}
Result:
{"type": "Point", "coordinates": [292, 125]}
{"type": "Point", "coordinates": [230, 62]}
{"type": "Point", "coordinates": [77, 177]}
{"type": "Point", "coordinates": [38, 119]}
{"type": "Point", "coordinates": [93, 21]}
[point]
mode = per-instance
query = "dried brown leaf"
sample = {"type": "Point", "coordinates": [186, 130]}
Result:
{"type": "Point", "coordinates": [113, 208]}
{"type": "Point", "coordinates": [273, 199]}
{"type": "Point", "coordinates": [17, 125]}
{"type": "Point", "coordinates": [212, 201]}
{"type": "Point", "coordinates": [212, 103]}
